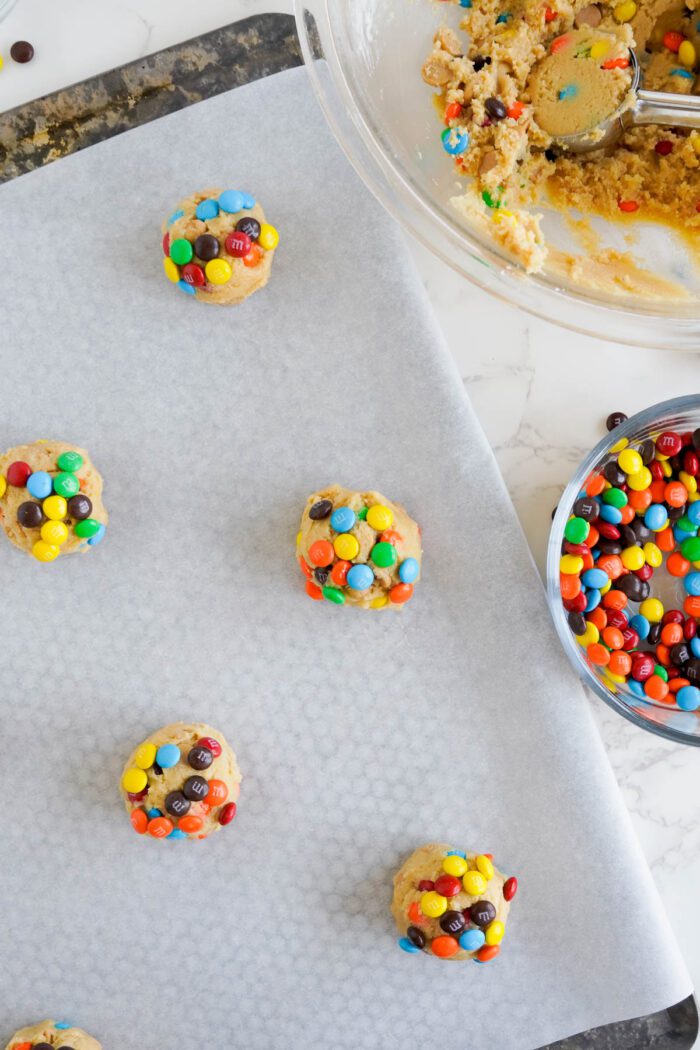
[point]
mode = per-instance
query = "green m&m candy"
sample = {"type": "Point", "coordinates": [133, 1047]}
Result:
{"type": "Point", "coordinates": [383, 554]}
{"type": "Point", "coordinates": [66, 484]}
{"type": "Point", "coordinates": [181, 251]}
{"type": "Point", "coordinates": [576, 530]}
{"type": "Point", "coordinates": [690, 548]}
{"type": "Point", "coordinates": [87, 528]}
{"type": "Point", "coordinates": [69, 461]}
{"type": "Point", "coordinates": [362, 514]}
{"type": "Point", "coordinates": [333, 594]}
{"type": "Point", "coordinates": [615, 498]}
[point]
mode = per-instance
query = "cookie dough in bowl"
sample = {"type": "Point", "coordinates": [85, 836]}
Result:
{"type": "Point", "coordinates": [181, 782]}
{"type": "Point", "coordinates": [451, 903]}
{"type": "Point", "coordinates": [52, 1035]}
{"type": "Point", "coordinates": [520, 74]}
{"type": "Point", "coordinates": [358, 548]}
{"type": "Point", "coordinates": [218, 246]}
{"type": "Point", "coordinates": [51, 499]}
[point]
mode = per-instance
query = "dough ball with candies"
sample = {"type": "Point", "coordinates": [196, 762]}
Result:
{"type": "Point", "coordinates": [181, 783]}
{"type": "Point", "coordinates": [451, 903]}
{"type": "Point", "coordinates": [358, 548]}
{"type": "Point", "coordinates": [52, 1035]}
{"type": "Point", "coordinates": [51, 499]}
{"type": "Point", "coordinates": [218, 246]}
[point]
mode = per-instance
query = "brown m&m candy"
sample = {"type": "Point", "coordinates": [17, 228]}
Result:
{"type": "Point", "coordinates": [206, 247]}
{"type": "Point", "coordinates": [200, 757]}
{"type": "Point", "coordinates": [21, 51]}
{"type": "Point", "coordinates": [482, 913]}
{"type": "Point", "coordinates": [30, 515]}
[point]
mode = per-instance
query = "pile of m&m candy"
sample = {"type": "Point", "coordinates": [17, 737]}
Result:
{"type": "Point", "coordinates": [186, 808]}
{"type": "Point", "coordinates": [333, 567]}
{"type": "Point", "coordinates": [638, 515]}
{"type": "Point", "coordinates": [201, 263]}
{"type": "Point", "coordinates": [56, 500]}
{"type": "Point", "coordinates": [471, 929]}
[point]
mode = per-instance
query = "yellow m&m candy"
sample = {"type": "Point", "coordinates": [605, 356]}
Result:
{"type": "Point", "coordinates": [269, 237]}
{"type": "Point", "coordinates": [433, 904]}
{"type": "Point", "coordinates": [652, 608]}
{"type": "Point", "coordinates": [599, 49]}
{"type": "Point", "coordinates": [145, 756]}
{"type": "Point", "coordinates": [171, 270]}
{"type": "Point", "coordinates": [630, 461]}
{"type": "Point", "coordinates": [346, 546]}
{"type": "Point", "coordinates": [55, 508]}
{"type": "Point", "coordinates": [494, 932]}
{"type": "Point", "coordinates": [218, 271]}
{"type": "Point", "coordinates": [3, 485]}
{"type": "Point", "coordinates": [380, 517]}
{"type": "Point", "coordinates": [474, 883]}
{"type": "Point", "coordinates": [455, 865]}
{"type": "Point", "coordinates": [380, 602]}
{"type": "Point", "coordinates": [625, 11]}
{"type": "Point", "coordinates": [54, 533]}
{"type": "Point", "coordinates": [485, 866]}
{"type": "Point", "coordinates": [44, 551]}
{"type": "Point", "coordinates": [134, 781]}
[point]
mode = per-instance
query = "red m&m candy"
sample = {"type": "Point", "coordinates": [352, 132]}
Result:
{"type": "Point", "coordinates": [510, 888]}
{"type": "Point", "coordinates": [448, 885]}
{"type": "Point", "coordinates": [193, 274]}
{"type": "Point", "coordinates": [211, 745]}
{"type": "Point", "coordinates": [227, 814]}
{"type": "Point", "coordinates": [18, 473]}
{"type": "Point", "coordinates": [238, 244]}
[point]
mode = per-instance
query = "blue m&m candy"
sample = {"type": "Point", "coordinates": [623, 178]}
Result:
{"type": "Point", "coordinates": [39, 484]}
{"type": "Point", "coordinates": [408, 570]}
{"type": "Point", "coordinates": [594, 578]}
{"type": "Point", "coordinates": [175, 216]}
{"type": "Point", "coordinates": [688, 698]}
{"type": "Point", "coordinates": [343, 519]}
{"type": "Point", "coordinates": [153, 813]}
{"type": "Point", "coordinates": [176, 833]}
{"type": "Point", "coordinates": [656, 517]}
{"type": "Point", "coordinates": [231, 201]}
{"type": "Point", "coordinates": [185, 287]}
{"type": "Point", "coordinates": [593, 599]}
{"type": "Point", "coordinates": [454, 141]}
{"type": "Point", "coordinates": [641, 625]}
{"type": "Point", "coordinates": [248, 201]}
{"type": "Point", "coordinates": [695, 646]}
{"type": "Point", "coordinates": [360, 577]}
{"type": "Point", "coordinates": [472, 940]}
{"type": "Point", "coordinates": [207, 209]}
{"type": "Point", "coordinates": [408, 946]}
{"type": "Point", "coordinates": [97, 538]}
{"type": "Point", "coordinates": [167, 755]}
{"type": "Point", "coordinates": [611, 514]}
{"type": "Point", "coordinates": [693, 512]}
{"type": "Point", "coordinates": [691, 582]}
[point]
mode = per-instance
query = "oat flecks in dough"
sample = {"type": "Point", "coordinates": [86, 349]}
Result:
{"type": "Point", "coordinates": [510, 160]}
{"type": "Point", "coordinates": [358, 548]}
{"type": "Point", "coordinates": [55, 1033]}
{"type": "Point", "coordinates": [434, 891]}
{"type": "Point", "coordinates": [43, 456]}
{"type": "Point", "coordinates": [191, 794]}
{"type": "Point", "coordinates": [218, 246]}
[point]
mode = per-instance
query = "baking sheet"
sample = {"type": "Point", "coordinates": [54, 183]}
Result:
{"type": "Point", "coordinates": [359, 736]}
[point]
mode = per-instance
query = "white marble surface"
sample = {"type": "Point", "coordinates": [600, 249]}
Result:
{"type": "Point", "coordinates": [525, 379]}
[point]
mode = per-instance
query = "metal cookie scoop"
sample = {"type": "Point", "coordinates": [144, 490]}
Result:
{"type": "Point", "coordinates": [639, 107]}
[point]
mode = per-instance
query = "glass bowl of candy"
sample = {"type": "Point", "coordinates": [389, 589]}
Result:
{"type": "Point", "coordinates": [365, 59]}
{"type": "Point", "coordinates": [623, 569]}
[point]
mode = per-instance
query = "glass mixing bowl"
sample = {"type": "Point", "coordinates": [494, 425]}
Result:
{"type": "Point", "coordinates": [365, 58]}
{"type": "Point", "coordinates": [681, 414]}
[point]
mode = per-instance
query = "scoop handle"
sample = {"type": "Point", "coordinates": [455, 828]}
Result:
{"type": "Point", "coordinates": [665, 108]}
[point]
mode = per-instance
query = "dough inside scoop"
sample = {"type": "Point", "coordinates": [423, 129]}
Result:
{"type": "Point", "coordinates": [585, 77]}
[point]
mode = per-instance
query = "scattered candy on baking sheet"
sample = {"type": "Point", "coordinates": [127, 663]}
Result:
{"type": "Point", "coordinates": [638, 515]}
{"type": "Point", "coordinates": [358, 549]}
{"type": "Point", "coordinates": [451, 904]}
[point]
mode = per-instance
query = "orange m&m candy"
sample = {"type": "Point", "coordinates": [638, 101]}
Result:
{"type": "Point", "coordinates": [22, 1046]}
{"type": "Point", "coordinates": [598, 654]}
{"type": "Point", "coordinates": [190, 823]}
{"type": "Point", "coordinates": [159, 827]}
{"type": "Point", "coordinates": [656, 688]}
{"type": "Point", "coordinates": [444, 946]}
{"type": "Point", "coordinates": [314, 591]}
{"type": "Point", "coordinates": [321, 553]}
{"type": "Point", "coordinates": [218, 793]}
{"type": "Point", "coordinates": [254, 255]}
{"type": "Point", "coordinates": [489, 951]}
{"type": "Point", "coordinates": [339, 572]}
{"type": "Point", "coordinates": [672, 633]}
{"type": "Point", "coordinates": [414, 913]}
{"type": "Point", "coordinates": [677, 565]}
{"type": "Point", "coordinates": [306, 569]}
{"type": "Point", "coordinates": [139, 821]}
{"type": "Point", "coordinates": [401, 593]}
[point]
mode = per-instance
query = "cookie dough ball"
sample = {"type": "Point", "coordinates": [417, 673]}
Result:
{"type": "Point", "coordinates": [181, 783]}
{"type": "Point", "coordinates": [218, 246]}
{"type": "Point", "coordinates": [358, 548]}
{"type": "Point", "coordinates": [51, 499]}
{"type": "Point", "coordinates": [451, 903]}
{"type": "Point", "coordinates": [52, 1035]}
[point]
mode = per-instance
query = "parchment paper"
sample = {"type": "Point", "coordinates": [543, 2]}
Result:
{"type": "Point", "coordinates": [360, 736]}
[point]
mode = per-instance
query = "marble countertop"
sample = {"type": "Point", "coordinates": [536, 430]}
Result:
{"type": "Point", "coordinates": [525, 379]}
